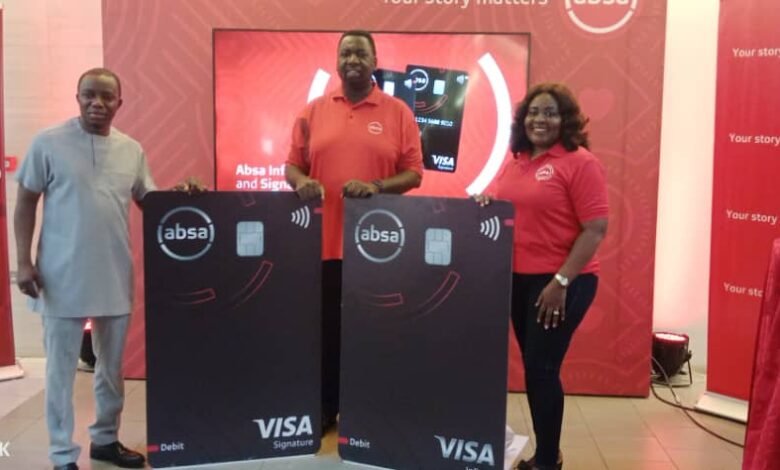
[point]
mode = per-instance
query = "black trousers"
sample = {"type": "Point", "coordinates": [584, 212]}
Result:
{"type": "Point", "coordinates": [543, 352]}
{"type": "Point", "coordinates": [331, 337]}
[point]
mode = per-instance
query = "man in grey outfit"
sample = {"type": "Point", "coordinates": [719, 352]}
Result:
{"type": "Point", "coordinates": [88, 173]}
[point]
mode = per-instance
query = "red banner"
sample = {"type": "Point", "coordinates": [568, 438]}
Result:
{"type": "Point", "coordinates": [609, 52]}
{"type": "Point", "coordinates": [763, 427]}
{"type": "Point", "coordinates": [746, 199]}
{"type": "Point", "coordinates": [7, 356]}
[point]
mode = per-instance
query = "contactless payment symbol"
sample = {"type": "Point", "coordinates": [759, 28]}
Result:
{"type": "Point", "coordinates": [301, 217]}
{"type": "Point", "coordinates": [491, 228]}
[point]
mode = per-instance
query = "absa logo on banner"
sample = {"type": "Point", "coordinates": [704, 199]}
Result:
{"type": "Point", "coordinates": [380, 236]}
{"type": "Point", "coordinates": [601, 16]}
{"type": "Point", "coordinates": [185, 233]}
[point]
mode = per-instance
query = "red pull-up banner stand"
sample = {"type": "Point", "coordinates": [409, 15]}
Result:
{"type": "Point", "coordinates": [8, 366]}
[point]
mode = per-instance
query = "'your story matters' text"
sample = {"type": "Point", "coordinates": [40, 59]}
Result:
{"type": "Point", "coordinates": [463, 4]}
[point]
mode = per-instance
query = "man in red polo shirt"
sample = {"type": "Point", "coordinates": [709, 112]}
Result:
{"type": "Point", "coordinates": [353, 142]}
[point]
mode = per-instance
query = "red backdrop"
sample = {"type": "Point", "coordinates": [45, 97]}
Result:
{"type": "Point", "coordinates": [611, 55]}
{"type": "Point", "coordinates": [746, 201]}
{"type": "Point", "coordinates": [7, 355]}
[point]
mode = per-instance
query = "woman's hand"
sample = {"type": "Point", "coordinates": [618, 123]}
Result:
{"type": "Point", "coordinates": [482, 199]}
{"type": "Point", "coordinates": [552, 305]}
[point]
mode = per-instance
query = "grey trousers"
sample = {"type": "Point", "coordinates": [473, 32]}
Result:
{"type": "Point", "coordinates": [62, 340]}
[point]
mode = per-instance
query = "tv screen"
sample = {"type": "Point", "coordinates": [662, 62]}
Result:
{"type": "Point", "coordinates": [462, 88]}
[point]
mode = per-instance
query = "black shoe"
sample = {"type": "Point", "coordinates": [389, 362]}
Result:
{"type": "Point", "coordinates": [117, 454]}
{"type": "Point", "coordinates": [67, 466]}
{"type": "Point", "coordinates": [526, 464]}
{"type": "Point", "coordinates": [531, 464]}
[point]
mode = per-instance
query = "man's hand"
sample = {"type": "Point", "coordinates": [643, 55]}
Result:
{"type": "Point", "coordinates": [308, 188]}
{"type": "Point", "coordinates": [357, 188]}
{"type": "Point", "coordinates": [191, 185]}
{"type": "Point", "coordinates": [28, 280]}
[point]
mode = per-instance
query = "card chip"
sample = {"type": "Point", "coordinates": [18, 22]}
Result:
{"type": "Point", "coordinates": [438, 247]}
{"type": "Point", "coordinates": [249, 239]}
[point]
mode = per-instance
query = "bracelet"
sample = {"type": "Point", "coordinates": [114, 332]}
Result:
{"type": "Point", "coordinates": [380, 186]}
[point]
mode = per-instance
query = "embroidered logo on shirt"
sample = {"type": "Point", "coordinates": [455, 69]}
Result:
{"type": "Point", "coordinates": [375, 127]}
{"type": "Point", "coordinates": [545, 173]}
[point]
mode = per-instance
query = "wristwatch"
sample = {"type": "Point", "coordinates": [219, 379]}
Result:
{"type": "Point", "coordinates": [380, 186]}
{"type": "Point", "coordinates": [562, 280]}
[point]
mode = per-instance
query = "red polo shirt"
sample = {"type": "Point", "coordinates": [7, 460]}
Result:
{"type": "Point", "coordinates": [553, 195]}
{"type": "Point", "coordinates": [335, 141]}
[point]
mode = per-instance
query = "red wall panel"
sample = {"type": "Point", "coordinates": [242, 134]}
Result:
{"type": "Point", "coordinates": [610, 54]}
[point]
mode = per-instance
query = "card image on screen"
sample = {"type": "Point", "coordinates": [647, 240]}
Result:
{"type": "Point", "coordinates": [395, 83]}
{"type": "Point", "coordinates": [439, 100]}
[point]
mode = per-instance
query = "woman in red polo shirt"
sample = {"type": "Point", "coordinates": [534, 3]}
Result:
{"type": "Point", "coordinates": [559, 192]}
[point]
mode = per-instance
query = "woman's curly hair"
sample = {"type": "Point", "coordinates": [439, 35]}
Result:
{"type": "Point", "coordinates": [573, 122]}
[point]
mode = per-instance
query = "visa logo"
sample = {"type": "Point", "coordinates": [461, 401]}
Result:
{"type": "Point", "coordinates": [284, 427]}
{"type": "Point", "coordinates": [466, 451]}
{"type": "Point", "coordinates": [443, 162]}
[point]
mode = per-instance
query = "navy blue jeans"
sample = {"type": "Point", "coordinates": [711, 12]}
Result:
{"type": "Point", "coordinates": [543, 352]}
